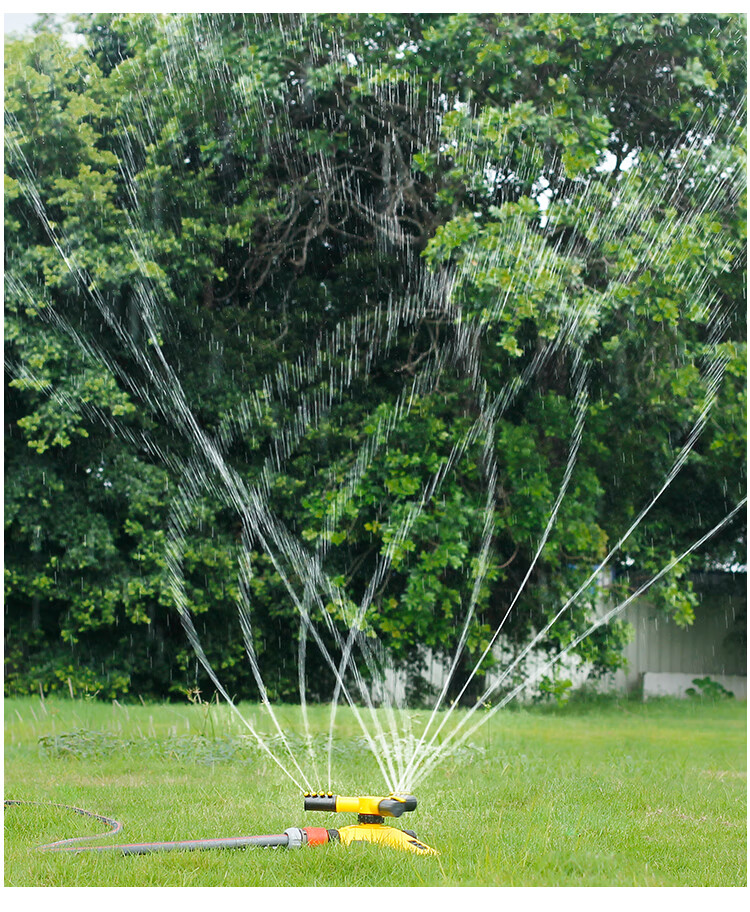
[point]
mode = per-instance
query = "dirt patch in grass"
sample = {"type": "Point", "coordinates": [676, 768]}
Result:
{"type": "Point", "coordinates": [674, 814]}
{"type": "Point", "coordinates": [724, 774]}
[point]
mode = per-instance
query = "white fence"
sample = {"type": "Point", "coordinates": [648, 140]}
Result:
{"type": "Point", "coordinates": [663, 659]}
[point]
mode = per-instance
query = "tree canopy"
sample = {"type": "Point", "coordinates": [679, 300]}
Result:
{"type": "Point", "coordinates": [360, 304]}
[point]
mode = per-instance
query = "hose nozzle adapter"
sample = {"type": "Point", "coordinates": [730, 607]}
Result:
{"type": "Point", "coordinates": [371, 806]}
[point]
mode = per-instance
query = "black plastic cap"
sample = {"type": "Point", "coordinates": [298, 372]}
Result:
{"type": "Point", "coordinates": [320, 803]}
{"type": "Point", "coordinates": [395, 807]}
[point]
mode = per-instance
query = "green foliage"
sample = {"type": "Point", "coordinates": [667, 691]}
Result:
{"type": "Point", "coordinates": [218, 186]}
{"type": "Point", "coordinates": [559, 690]}
{"type": "Point", "coordinates": [708, 689]}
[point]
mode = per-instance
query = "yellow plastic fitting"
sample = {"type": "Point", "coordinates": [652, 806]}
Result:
{"type": "Point", "coordinates": [384, 835]}
{"type": "Point", "coordinates": [392, 806]}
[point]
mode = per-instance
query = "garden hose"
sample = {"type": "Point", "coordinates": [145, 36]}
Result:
{"type": "Point", "coordinates": [65, 844]}
{"type": "Point", "coordinates": [371, 811]}
{"type": "Point", "coordinates": [289, 839]}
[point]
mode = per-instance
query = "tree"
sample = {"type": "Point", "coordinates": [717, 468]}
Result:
{"type": "Point", "coordinates": [280, 275]}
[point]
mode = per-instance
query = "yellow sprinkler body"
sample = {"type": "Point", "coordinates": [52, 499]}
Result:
{"type": "Point", "coordinates": [371, 828]}
{"type": "Point", "coordinates": [383, 835]}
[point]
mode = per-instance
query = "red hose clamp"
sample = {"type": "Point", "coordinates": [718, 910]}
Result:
{"type": "Point", "coordinates": [317, 835]}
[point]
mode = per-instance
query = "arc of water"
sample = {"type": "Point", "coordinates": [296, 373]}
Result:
{"type": "Point", "coordinates": [676, 468]}
{"type": "Point", "coordinates": [605, 619]}
{"type": "Point", "coordinates": [180, 600]}
{"type": "Point", "coordinates": [179, 412]}
{"type": "Point", "coordinates": [355, 634]}
{"type": "Point", "coordinates": [581, 401]}
{"type": "Point", "coordinates": [66, 261]}
{"type": "Point", "coordinates": [256, 510]}
{"type": "Point", "coordinates": [181, 506]}
{"type": "Point", "coordinates": [247, 636]}
{"type": "Point", "coordinates": [140, 441]}
{"type": "Point", "coordinates": [261, 520]}
{"type": "Point", "coordinates": [302, 685]}
{"type": "Point", "coordinates": [714, 384]}
{"type": "Point", "coordinates": [485, 421]}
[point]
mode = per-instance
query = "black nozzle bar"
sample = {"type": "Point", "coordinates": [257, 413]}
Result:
{"type": "Point", "coordinates": [369, 805]}
{"type": "Point", "coordinates": [320, 802]}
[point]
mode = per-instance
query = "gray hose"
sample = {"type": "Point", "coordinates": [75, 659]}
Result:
{"type": "Point", "coordinates": [146, 848]}
{"type": "Point", "coordinates": [292, 838]}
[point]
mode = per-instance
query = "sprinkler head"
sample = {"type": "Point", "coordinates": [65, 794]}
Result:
{"type": "Point", "coordinates": [371, 810]}
{"type": "Point", "coordinates": [364, 805]}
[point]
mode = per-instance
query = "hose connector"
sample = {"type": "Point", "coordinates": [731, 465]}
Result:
{"type": "Point", "coordinates": [313, 836]}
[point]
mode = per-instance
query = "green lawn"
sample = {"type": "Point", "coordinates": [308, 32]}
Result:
{"type": "Point", "coordinates": [600, 794]}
